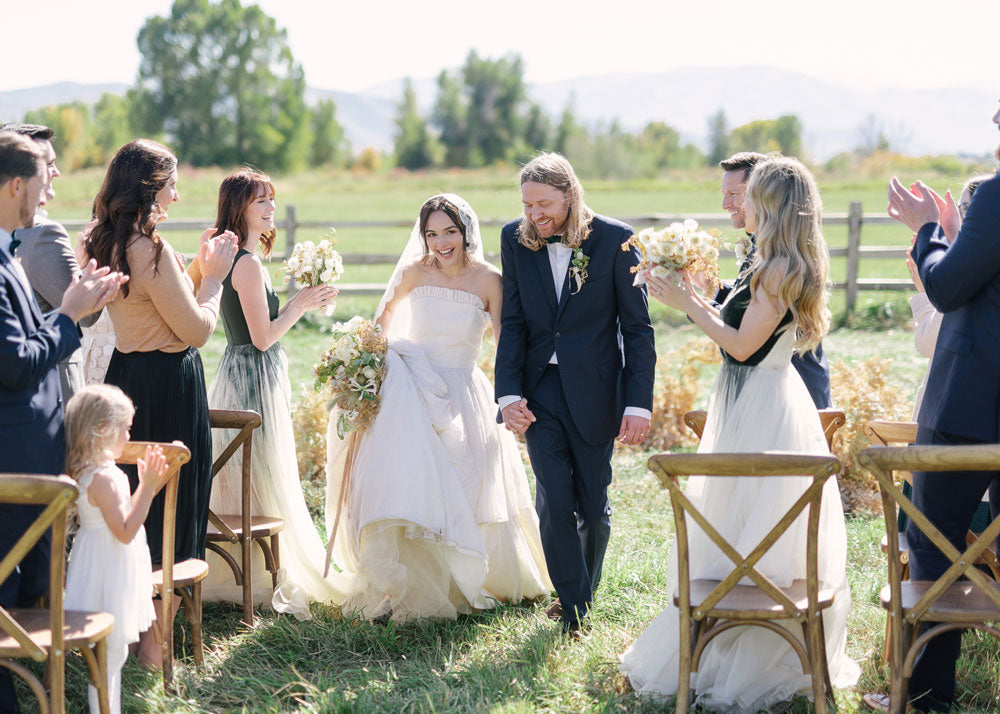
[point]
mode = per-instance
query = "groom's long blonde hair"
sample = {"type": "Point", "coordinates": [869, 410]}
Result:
{"type": "Point", "coordinates": [555, 170]}
{"type": "Point", "coordinates": [792, 261]}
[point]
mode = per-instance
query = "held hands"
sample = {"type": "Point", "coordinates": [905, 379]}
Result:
{"type": "Point", "coordinates": [911, 265]}
{"type": "Point", "coordinates": [634, 429]}
{"type": "Point", "coordinates": [90, 291]}
{"type": "Point", "coordinates": [215, 255]}
{"type": "Point", "coordinates": [152, 468]}
{"type": "Point", "coordinates": [517, 417]}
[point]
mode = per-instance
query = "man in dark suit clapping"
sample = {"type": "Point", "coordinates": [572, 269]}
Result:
{"type": "Point", "coordinates": [961, 404]}
{"type": "Point", "coordinates": [31, 345]}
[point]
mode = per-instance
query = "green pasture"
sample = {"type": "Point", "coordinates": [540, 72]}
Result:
{"type": "Point", "coordinates": [510, 660]}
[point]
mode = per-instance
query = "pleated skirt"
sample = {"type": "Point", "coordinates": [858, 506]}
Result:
{"type": "Point", "coordinates": [171, 404]}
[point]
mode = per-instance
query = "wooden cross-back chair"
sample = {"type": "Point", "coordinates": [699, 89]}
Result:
{"type": "Point", "coordinates": [889, 433]}
{"type": "Point", "coordinates": [947, 601]}
{"type": "Point", "coordinates": [242, 529]}
{"type": "Point", "coordinates": [172, 578]}
{"type": "Point", "coordinates": [45, 634]}
{"type": "Point", "coordinates": [830, 419]}
{"type": "Point", "coordinates": [708, 608]}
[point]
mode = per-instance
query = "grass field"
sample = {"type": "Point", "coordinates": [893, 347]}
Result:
{"type": "Point", "coordinates": [510, 660]}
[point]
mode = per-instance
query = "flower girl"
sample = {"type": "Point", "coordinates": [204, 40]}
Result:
{"type": "Point", "coordinates": [109, 566]}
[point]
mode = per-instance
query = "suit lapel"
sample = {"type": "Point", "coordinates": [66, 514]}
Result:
{"type": "Point", "coordinates": [541, 259]}
{"type": "Point", "coordinates": [29, 307]}
{"type": "Point", "coordinates": [564, 293]}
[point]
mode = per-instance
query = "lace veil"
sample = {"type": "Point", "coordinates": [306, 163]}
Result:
{"type": "Point", "coordinates": [414, 251]}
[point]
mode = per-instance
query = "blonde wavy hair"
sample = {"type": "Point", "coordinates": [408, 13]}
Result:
{"type": "Point", "coordinates": [792, 258]}
{"type": "Point", "coordinates": [93, 417]}
{"type": "Point", "coordinates": [554, 170]}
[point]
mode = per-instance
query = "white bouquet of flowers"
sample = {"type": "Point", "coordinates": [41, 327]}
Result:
{"type": "Point", "coordinates": [312, 264]}
{"type": "Point", "coordinates": [354, 365]}
{"type": "Point", "coordinates": [679, 246]}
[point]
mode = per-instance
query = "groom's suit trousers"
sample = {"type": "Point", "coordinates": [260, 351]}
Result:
{"type": "Point", "coordinates": [571, 497]}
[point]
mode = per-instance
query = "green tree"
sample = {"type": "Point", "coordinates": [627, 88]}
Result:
{"type": "Point", "coordinates": [537, 129]}
{"type": "Point", "coordinates": [220, 81]}
{"type": "Point", "coordinates": [329, 145]}
{"type": "Point", "coordinates": [111, 127]}
{"type": "Point", "coordinates": [414, 143]}
{"type": "Point", "coordinates": [71, 123]}
{"type": "Point", "coordinates": [568, 131]}
{"type": "Point", "coordinates": [718, 138]}
{"type": "Point", "coordinates": [757, 135]}
{"type": "Point", "coordinates": [450, 117]}
{"type": "Point", "coordinates": [788, 135]}
{"type": "Point", "coordinates": [482, 111]}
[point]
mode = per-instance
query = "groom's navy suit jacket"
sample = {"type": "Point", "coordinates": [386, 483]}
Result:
{"type": "Point", "coordinates": [963, 282]}
{"type": "Point", "coordinates": [601, 335]}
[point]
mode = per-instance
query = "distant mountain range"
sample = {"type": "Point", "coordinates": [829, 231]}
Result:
{"type": "Point", "coordinates": [949, 120]}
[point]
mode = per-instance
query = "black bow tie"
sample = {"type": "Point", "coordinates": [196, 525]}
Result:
{"type": "Point", "coordinates": [14, 242]}
{"type": "Point", "coordinates": [554, 239]}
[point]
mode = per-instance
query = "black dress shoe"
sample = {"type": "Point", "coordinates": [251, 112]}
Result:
{"type": "Point", "coordinates": [554, 611]}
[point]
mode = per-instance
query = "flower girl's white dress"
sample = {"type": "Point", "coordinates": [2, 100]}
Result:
{"type": "Point", "coordinates": [437, 519]}
{"type": "Point", "coordinates": [106, 575]}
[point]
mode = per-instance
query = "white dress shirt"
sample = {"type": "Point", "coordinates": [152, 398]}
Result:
{"type": "Point", "coordinates": [560, 256]}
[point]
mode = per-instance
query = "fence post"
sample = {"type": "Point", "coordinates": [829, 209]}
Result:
{"type": "Point", "coordinates": [854, 221]}
{"type": "Point", "coordinates": [290, 225]}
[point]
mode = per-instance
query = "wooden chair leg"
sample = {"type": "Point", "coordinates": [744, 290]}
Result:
{"type": "Point", "coordinates": [166, 629]}
{"type": "Point", "coordinates": [277, 561]}
{"type": "Point", "coordinates": [684, 653]}
{"type": "Point", "coordinates": [101, 653]}
{"type": "Point", "coordinates": [194, 617]}
{"type": "Point", "coordinates": [246, 549]}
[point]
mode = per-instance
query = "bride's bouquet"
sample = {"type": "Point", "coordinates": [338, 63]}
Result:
{"type": "Point", "coordinates": [354, 365]}
{"type": "Point", "coordinates": [679, 246]}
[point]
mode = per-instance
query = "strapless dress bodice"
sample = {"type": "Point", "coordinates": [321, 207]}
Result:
{"type": "Point", "coordinates": [448, 324]}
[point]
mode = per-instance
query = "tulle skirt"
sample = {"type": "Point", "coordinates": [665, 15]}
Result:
{"type": "Point", "coordinates": [168, 390]}
{"type": "Point", "coordinates": [753, 409]}
{"type": "Point", "coordinates": [437, 519]}
{"type": "Point", "coordinates": [255, 380]}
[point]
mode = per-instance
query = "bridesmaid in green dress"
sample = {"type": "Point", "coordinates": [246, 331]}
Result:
{"type": "Point", "coordinates": [253, 374]}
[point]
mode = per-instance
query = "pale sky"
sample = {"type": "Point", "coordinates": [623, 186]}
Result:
{"type": "Point", "coordinates": [352, 45]}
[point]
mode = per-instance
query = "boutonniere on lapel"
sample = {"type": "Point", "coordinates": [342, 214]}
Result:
{"type": "Point", "coordinates": [578, 270]}
{"type": "Point", "coordinates": [742, 249]}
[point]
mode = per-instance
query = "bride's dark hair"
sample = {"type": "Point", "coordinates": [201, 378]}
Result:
{"type": "Point", "coordinates": [440, 203]}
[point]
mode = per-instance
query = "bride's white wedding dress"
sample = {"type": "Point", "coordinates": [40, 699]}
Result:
{"type": "Point", "coordinates": [753, 409]}
{"type": "Point", "coordinates": [438, 519]}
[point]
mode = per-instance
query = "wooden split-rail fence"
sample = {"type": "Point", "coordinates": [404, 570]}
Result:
{"type": "Point", "coordinates": [854, 219]}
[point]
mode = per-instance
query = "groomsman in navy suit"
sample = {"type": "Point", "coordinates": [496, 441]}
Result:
{"type": "Point", "coordinates": [962, 400]}
{"type": "Point", "coordinates": [31, 346]}
{"type": "Point", "coordinates": [574, 367]}
{"type": "Point", "coordinates": [811, 366]}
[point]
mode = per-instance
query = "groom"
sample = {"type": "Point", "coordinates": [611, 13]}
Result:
{"type": "Point", "coordinates": [574, 367]}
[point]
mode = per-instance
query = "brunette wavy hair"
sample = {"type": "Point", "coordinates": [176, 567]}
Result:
{"type": "Point", "coordinates": [237, 192]}
{"type": "Point", "coordinates": [792, 263]}
{"type": "Point", "coordinates": [126, 204]}
{"type": "Point", "coordinates": [555, 170]}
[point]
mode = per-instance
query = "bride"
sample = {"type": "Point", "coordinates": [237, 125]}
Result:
{"type": "Point", "coordinates": [759, 403]}
{"type": "Point", "coordinates": [434, 517]}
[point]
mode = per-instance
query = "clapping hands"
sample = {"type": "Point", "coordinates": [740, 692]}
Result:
{"type": "Point", "coordinates": [90, 291]}
{"type": "Point", "coordinates": [152, 468]}
{"type": "Point", "coordinates": [216, 253]}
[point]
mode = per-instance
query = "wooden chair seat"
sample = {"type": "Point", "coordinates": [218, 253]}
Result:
{"type": "Point", "coordinates": [186, 573]}
{"type": "Point", "coordinates": [746, 602]}
{"type": "Point", "coordinates": [260, 527]}
{"type": "Point", "coordinates": [80, 629]}
{"type": "Point", "coordinates": [904, 548]}
{"type": "Point", "coordinates": [961, 602]}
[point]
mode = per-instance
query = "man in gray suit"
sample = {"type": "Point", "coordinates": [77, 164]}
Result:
{"type": "Point", "coordinates": [47, 256]}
